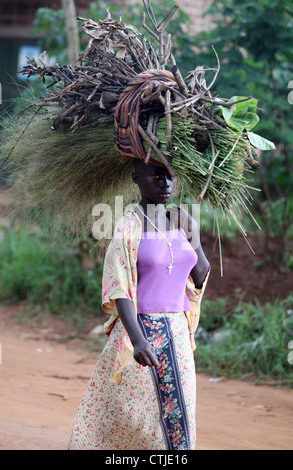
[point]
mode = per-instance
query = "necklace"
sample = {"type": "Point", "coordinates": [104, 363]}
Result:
{"type": "Point", "coordinates": [168, 241]}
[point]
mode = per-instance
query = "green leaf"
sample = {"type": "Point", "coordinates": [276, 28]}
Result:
{"type": "Point", "coordinates": [226, 113]}
{"type": "Point", "coordinates": [241, 115]}
{"type": "Point", "coordinates": [251, 119]}
{"type": "Point", "coordinates": [240, 122]}
{"type": "Point", "coordinates": [244, 106]}
{"type": "Point", "coordinates": [260, 142]}
{"type": "Point", "coordinates": [237, 123]}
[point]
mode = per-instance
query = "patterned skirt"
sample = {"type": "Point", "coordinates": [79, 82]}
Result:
{"type": "Point", "coordinates": [153, 408]}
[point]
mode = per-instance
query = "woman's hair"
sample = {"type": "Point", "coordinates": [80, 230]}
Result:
{"type": "Point", "coordinates": [139, 165]}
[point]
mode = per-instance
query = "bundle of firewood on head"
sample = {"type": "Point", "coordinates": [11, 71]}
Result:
{"type": "Point", "coordinates": [127, 98]}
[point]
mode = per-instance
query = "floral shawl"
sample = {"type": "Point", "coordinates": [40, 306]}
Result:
{"type": "Point", "coordinates": [120, 281]}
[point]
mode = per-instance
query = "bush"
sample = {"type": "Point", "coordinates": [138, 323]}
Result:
{"type": "Point", "coordinates": [252, 341]}
{"type": "Point", "coordinates": [36, 269]}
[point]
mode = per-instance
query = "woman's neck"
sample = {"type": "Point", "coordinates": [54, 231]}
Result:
{"type": "Point", "coordinates": [157, 213]}
{"type": "Point", "coordinates": [149, 205]}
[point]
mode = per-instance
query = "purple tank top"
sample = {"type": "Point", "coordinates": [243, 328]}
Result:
{"type": "Point", "coordinates": [157, 290]}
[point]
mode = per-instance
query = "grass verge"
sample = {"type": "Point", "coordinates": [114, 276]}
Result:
{"type": "Point", "coordinates": [252, 341]}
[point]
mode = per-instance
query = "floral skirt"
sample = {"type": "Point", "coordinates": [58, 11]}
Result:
{"type": "Point", "coordinates": [153, 408]}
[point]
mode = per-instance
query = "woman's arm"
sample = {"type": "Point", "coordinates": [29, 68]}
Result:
{"type": "Point", "coordinates": [202, 267]}
{"type": "Point", "coordinates": [143, 352]}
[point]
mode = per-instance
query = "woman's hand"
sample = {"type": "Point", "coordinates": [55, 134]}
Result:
{"type": "Point", "coordinates": [144, 353]}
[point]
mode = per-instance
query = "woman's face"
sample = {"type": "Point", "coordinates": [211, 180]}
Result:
{"type": "Point", "coordinates": [155, 182]}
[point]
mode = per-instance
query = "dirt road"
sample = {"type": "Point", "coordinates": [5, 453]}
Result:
{"type": "Point", "coordinates": [42, 381]}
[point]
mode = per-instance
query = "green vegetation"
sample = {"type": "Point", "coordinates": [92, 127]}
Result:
{"type": "Point", "coordinates": [254, 43]}
{"type": "Point", "coordinates": [252, 341]}
{"type": "Point", "coordinates": [228, 189]}
{"type": "Point", "coordinates": [36, 269]}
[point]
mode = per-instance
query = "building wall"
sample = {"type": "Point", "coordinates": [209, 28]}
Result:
{"type": "Point", "coordinates": [194, 9]}
{"type": "Point", "coordinates": [16, 16]}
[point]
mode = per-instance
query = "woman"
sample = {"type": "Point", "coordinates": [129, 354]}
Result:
{"type": "Point", "coordinates": [141, 395]}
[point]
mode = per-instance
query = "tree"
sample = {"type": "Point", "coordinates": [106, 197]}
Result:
{"type": "Point", "coordinates": [254, 42]}
{"type": "Point", "coordinates": [71, 30]}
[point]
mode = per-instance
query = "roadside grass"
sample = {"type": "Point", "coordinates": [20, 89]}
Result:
{"type": "Point", "coordinates": [252, 341]}
{"type": "Point", "coordinates": [46, 274]}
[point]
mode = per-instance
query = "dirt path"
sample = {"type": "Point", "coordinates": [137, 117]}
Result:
{"type": "Point", "coordinates": [42, 381]}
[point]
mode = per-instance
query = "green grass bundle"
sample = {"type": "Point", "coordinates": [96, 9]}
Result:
{"type": "Point", "coordinates": [229, 188]}
{"type": "Point", "coordinates": [63, 176]}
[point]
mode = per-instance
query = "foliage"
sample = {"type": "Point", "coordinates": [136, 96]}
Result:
{"type": "Point", "coordinates": [255, 44]}
{"type": "Point", "coordinates": [50, 23]}
{"type": "Point", "coordinates": [35, 268]}
{"type": "Point", "coordinates": [213, 312]}
{"type": "Point", "coordinates": [250, 341]}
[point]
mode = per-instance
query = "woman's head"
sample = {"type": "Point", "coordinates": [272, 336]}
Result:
{"type": "Point", "coordinates": [155, 182]}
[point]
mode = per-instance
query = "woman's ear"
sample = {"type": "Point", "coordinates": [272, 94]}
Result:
{"type": "Point", "coordinates": [135, 177]}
